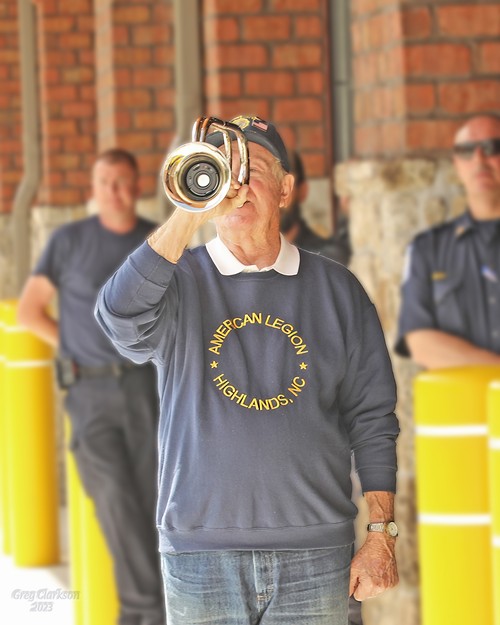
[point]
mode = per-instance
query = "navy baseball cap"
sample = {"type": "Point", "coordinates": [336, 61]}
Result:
{"type": "Point", "coordinates": [259, 131]}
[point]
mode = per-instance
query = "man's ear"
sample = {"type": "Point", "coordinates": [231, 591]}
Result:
{"type": "Point", "coordinates": [286, 189]}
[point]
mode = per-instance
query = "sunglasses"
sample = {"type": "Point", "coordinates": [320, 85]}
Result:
{"type": "Point", "coordinates": [488, 147]}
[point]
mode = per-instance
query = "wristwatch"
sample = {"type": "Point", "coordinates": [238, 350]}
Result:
{"type": "Point", "coordinates": [390, 528]}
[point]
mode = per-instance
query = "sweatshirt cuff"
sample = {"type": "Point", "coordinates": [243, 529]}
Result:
{"type": "Point", "coordinates": [378, 478]}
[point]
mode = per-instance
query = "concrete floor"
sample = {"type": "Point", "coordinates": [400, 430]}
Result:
{"type": "Point", "coordinates": [32, 596]}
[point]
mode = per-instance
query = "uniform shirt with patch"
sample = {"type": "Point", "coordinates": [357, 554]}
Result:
{"type": "Point", "coordinates": [452, 283]}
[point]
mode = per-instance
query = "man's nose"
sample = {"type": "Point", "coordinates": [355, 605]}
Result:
{"type": "Point", "coordinates": [479, 154]}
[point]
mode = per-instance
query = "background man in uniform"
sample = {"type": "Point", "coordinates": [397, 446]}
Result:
{"type": "Point", "coordinates": [112, 404]}
{"type": "Point", "coordinates": [272, 367]}
{"type": "Point", "coordinates": [450, 314]}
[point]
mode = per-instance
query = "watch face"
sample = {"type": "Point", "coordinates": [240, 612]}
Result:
{"type": "Point", "coordinates": [392, 529]}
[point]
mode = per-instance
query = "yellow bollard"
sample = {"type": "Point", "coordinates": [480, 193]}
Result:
{"type": "Point", "coordinates": [100, 600]}
{"type": "Point", "coordinates": [452, 495]}
{"type": "Point", "coordinates": [32, 471]}
{"type": "Point", "coordinates": [494, 457]}
{"type": "Point", "coordinates": [90, 562]}
{"type": "Point", "coordinates": [4, 447]}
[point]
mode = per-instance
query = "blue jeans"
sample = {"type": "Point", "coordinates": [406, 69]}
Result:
{"type": "Point", "coordinates": [257, 587]}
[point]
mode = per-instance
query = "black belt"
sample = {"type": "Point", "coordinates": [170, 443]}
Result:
{"type": "Point", "coordinates": [115, 369]}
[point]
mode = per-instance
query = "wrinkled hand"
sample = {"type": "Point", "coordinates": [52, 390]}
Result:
{"type": "Point", "coordinates": [235, 198]}
{"type": "Point", "coordinates": [373, 568]}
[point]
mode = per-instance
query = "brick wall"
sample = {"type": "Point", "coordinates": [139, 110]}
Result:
{"type": "Point", "coordinates": [67, 99]}
{"type": "Point", "coordinates": [271, 59]}
{"type": "Point", "coordinates": [419, 70]}
{"type": "Point", "coordinates": [11, 161]}
{"type": "Point", "coordinates": [135, 81]}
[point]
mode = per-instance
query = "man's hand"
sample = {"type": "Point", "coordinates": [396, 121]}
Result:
{"type": "Point", "coordinates": [170, 239]}
{"type": "Point", "coordinates": [373, 568]}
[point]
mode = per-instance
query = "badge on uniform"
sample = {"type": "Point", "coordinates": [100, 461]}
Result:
{"type": "Point", "coordinates": [439, 275]}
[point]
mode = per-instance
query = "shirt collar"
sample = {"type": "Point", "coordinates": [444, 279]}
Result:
{"type": "Point", "coordinates": [287, 263]}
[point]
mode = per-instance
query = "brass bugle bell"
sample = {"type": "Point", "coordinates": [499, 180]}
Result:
{"type": "Point", "coordinates": [196, 176]}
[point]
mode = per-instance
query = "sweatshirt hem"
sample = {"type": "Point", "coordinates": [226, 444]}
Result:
{"type": "Point", "coordinates": [274, 539]}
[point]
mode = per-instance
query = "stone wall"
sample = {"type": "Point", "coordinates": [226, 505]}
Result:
{"type": "Point", "coordinates": [7, 277]}
{"type": "Point", "coordinates": [389, 202]}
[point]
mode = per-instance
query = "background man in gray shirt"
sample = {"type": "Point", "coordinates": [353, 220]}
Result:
{"type": "Point", "coordinates": [112, 404]}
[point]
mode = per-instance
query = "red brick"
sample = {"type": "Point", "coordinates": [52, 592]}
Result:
{"type": "Point", "coordinates": [85, 22]}
{"type": "Point", "coordinates": [124, 76]}
{"type": "Point", "coordinates": [86, 56]}
{"type": "Point", "coordinates": [121, 35]}
{"type": "Point", "coordinates": [133, 56]}
{"type": "Point", "coordinates": [64, 197]}
{"type": "Point", "coordinates": [77, 75]}
{"type": "Point", "coordinates": [221, 29]}
{"type": "Point", "coordinates": [149, 184]}
{"type": "Point", "coordinates": [133, 98]}
{"type": "Point", "coordinates": [308, 27]}
{"type": "Point", "coordinates": [150, 35]}
{"type": "Point", "coordinates": [367, 140]}
{"type": "Point", "coordinates": [61, 127]}
{"type": "Point", "coordinates": [137, 140]}
{"type": "Point", "coordinates": [416, 22]}
{"type": "Point", "coordinates": [164, 98]}
{"type": "Point", "coordinates": [123, 119]}
{"type": "Point", "coordinates": [314, 164]}
{"type": "Point", "coordinates": [389, 64]}
{"type": "Point", "coordinates": [58, 24]}
{"type": "Point", "coordinates": [312, 137]}
{"type": "Point", "coordinates": [440, 59]}
{"type": "Point", "coordinates": [310, 82]}
{"type": "Point", "coordinates": [365, 69]}
{"type": "Point", "coordinates": [78, 109]}
{"type": "Point", "coordinates": [236, 56]}
{"type": "Point", "coordinates": [295, 5]}
{"type": "Point", "coordinates": [61, 93]}
{"type": "Point", "coordinates": [134, 14]}
{"type": "Point", "coordinates": [151, 77]}
{"type": "Point", "coordinates": [478, 95]}
{"type": "Point", "coordinates": [297, 55]}
{"type": "Point", "coordinates": [78, 144]}
{"type": "Point", "coordinates": [269, 83]}
{"type": "Point", "coordinates": [8, 26]}
{"type": "Point", "coordinates": [489, 57]}
{"type": "Point", "coordinates": [75, 40]}
{"type": "Point", "coordinates": [150, 120]}
{"type": "Point", "coordinates": [64, 162]}
{"type": "Point", "coordinates": [431, 135]}
{"type": "Point", "coordinates": [299, 109]}
{"type": "Point", "coordinates": [226, 109]}
{"type": "Point", "coordinates": [58, 58]}
{"type": "Point", "coordinates": [163, 55]}
{"type": "Point", "coordinates": [77, 6]}
{"type": "Point", "coordinates": [223, 84]}
{"type": "Point", "coordinates": [77, 178]}
{"type": "Point", "coordinates": [420, 98]}
{"type": "Point", "coordinates": [469, 20]}
{"type": "Point", "coordinates": [393, 138]}
{"type": "Point", "coordinates": [266, 28]}
{"type": "Point", "coordinates": [225, 7]}
{"type": "Point", "coordinates": [162, 12]}
{"type": "Point", "coordinates": [9, 56]}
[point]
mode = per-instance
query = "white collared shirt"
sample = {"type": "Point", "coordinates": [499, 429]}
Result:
{"type": "Point", "coordinates": [287, 263]}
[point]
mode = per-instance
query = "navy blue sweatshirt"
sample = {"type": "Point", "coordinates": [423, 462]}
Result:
{"type": "Point", "coordinates": [266, 383]}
